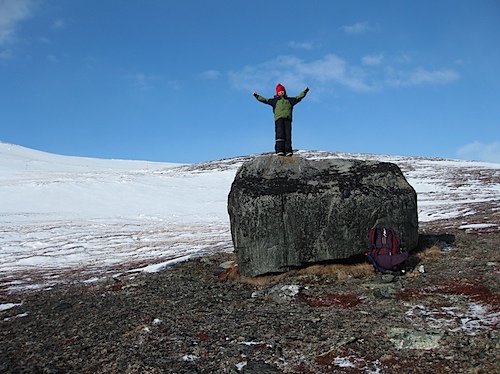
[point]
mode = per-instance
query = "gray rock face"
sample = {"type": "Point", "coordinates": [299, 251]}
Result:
{"type": "Point", "coordinates": [291, 212]}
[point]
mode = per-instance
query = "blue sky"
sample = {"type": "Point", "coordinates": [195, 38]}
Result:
{"type": "Point", "coordinates": [173, 80]}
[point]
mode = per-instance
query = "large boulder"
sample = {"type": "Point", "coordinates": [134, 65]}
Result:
{"type": "Point", "coordinates": [292, 212]}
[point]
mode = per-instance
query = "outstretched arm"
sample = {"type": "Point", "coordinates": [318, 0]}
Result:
{"type": "Point", "coordinates": [261, 98]}
{"type": "Point", "coordinates": [301, 95]}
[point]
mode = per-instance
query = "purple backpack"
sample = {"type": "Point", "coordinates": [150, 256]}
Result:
{"type": "Point", "coordinates": [384, 252]}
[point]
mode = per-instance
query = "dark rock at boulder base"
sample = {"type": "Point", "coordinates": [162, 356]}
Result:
{"type": "Point", "coordinates": [288, 212]}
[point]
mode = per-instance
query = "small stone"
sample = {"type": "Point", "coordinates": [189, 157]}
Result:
{"type": "Point", "coordinates": [255, 367]}
{"type": "Point", "coordinates": [388, 278]}
{"type": "Point", "coordinates": [404, 338]}
{"type": "Point", "coordinates": [227, 264]}
{"type": "Point", "coordinates": [50, 369]}
{"type": "Point", "coordinates": [284, 293]}
{"type": "Point", "coordinates": [386, 358]}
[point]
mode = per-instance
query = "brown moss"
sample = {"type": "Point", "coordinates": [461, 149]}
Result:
{"type": "Point", "coordinates": [335, 271]}
{"type": "Point", "coordinates": [329, 299]}
{"type": "Point", "coordinates": [433, 251]}
{"type": "Point", "coordinates": [472, 290]}
{"type": "Point", "coordinates": [339, 271]}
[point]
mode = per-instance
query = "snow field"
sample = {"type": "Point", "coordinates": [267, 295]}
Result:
{"type": "Point", "coordinates": [72, 215]}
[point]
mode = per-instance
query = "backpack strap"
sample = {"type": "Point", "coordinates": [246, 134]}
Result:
{"type": "Point", "coordinates": [384, 238]}
{"type": "Point", "coordinates": [372, 239]}
{"type": "Point", "coordinates": [377, 241]}
{"type": "Point", "coordinates": [395, 243]}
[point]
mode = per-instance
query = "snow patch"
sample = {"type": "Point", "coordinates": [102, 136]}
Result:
{"type": "Point", "coordinates": [8, 306]}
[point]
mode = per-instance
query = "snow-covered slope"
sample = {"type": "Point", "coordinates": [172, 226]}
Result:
{"type": "Point", "coordinates": [66, 216]}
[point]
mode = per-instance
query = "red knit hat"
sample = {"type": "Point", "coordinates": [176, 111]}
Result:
{"type": "Point", "coordinates": [279, 88]}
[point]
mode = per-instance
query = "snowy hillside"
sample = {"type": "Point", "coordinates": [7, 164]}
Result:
{"type": "Point", "coordinates": [80, 218]}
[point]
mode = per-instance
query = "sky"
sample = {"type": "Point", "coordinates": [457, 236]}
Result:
{"type": "Point", "coordinates": [172, 81]}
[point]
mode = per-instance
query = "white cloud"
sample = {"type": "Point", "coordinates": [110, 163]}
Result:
{"type": "Point", "coordinates": [59, 24]}
{"type": "Point", "coordinates": [482, 152]}
{"type": "Point", "coordinates": [174, 85]}
{"type": "Point", "coordinates": [52, 58]}
{"type": "Point", "coordinates": [301, 45]}
{"type": "Point", "coordinates": [372, 74]}
{"type": "Point", "coordinates": [334, 69]}
{"type": "Point", "coordinates": [210, 74]}
{"type": "Point", "coordinates": [5, 54]}
{"type": "Point", "coordinates": [437, 76]}
{"type": "Point", "coordinates": [403, 58]}
{"type": "Point", "coordinates": [358, 28]}
{"type": "Point", "coordinates": [372, 59]}
{"type": "Point", "coordinates": [419, 76]}
{"type": "Point", "coordinates": [11, 13]}
{"type": "Point", "coordinates": [144, 81]}
{"type": "Point", "coordinates": [297, 73]}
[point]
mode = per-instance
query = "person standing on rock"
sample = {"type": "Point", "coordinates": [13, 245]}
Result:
{"type": "Point", "coordinates": [282, 109]}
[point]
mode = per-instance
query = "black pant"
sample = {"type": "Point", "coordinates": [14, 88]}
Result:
{"type": "Point", "coordinates": [283, 135]}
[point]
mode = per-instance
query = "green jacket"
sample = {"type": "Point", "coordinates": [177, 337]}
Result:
{"type": "Point", "coordinates": [282, 105]}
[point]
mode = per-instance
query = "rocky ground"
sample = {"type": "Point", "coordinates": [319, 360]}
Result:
{"type": "Point", "coordinates": [196, 317]}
